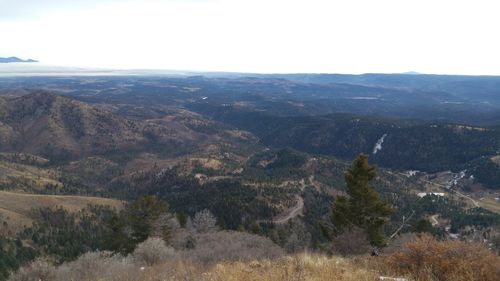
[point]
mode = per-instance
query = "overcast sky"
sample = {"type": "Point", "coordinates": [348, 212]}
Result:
{"type": "Point", "coordinates": [350, 36]}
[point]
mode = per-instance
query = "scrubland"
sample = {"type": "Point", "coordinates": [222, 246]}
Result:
{"type": "Point", "coordinates": [235, 256]}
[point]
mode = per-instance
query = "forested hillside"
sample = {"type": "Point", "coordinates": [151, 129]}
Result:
{"type": "Point", "coordinates": [404, 144]}
{"type": "Point", "coordinates": [222, 169]}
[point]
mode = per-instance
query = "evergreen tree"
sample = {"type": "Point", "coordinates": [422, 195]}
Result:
{"type": "Point", "coordinates": [116, 238]}
{"type": "Point", "coordinates": [142, 215]}
{"type": "Point", "coordinates": [362, 206]}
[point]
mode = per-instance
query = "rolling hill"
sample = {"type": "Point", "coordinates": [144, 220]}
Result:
{"type": "Point", "coordinates": [16, 208]}
{"type": "Point", "coordinates": [60, 128]}
{"type": "Point", "coordinates": [43, 123]}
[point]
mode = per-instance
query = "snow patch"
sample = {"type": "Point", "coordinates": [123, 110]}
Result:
{"type": "Point", "coordinates": [378, 145]}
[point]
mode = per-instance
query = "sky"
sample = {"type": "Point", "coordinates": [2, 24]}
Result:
{"type": "Point", "coordinates": [264, 36]}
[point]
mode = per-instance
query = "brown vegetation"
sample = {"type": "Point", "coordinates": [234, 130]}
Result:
{"type": "Point", "coordinates": [351, 242]}
{"type": "Point", "coordinates": [207, 248]}
{"type": "Point", "coordinates": [427, 259]}
{"type": "Point", "coordinates": [58, 127]}
{"type": "Point", "coordinates": [16, 208]}
{"type": "Point", "coordinates": [102, 266]}
{"type": "Point", "coordinates": [46, 124]}
{"type": "Point", "coordinates": [236, 256]}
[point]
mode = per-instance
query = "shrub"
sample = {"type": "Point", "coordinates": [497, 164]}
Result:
{"type": "Point", "coordinates": [153, 251]}
{"type": "Point", "coordinates": [230, 246]}
{"type": "Point", "coordinates": [429, 259]}
{"type": "Point", "coordinates": [98, 266]}
{"type": "Point", "coordinates": [351, 242]}
{"type": "Point", "coordinates": [395, 244]}
{"type": "Point", "coordinates": [89, 266]}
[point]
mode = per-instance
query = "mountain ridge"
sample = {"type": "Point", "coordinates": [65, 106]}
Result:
{"type": "Point", "coordinates": [59, 127]}
{"type": "Point", "coordinates": [15, 59]}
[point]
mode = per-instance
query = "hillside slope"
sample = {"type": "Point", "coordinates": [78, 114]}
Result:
{"type": "Point", "coordinates": [393, 143]}
{"type": "Point", "coordinates": [46, 124]}
{"type": "Point", "coordinates": [61, 128]}
{"type": "Point", "coordinates": [16, 208]}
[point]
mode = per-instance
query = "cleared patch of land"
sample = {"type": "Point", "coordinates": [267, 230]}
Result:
{"type": "Point", "coordinates": [491, 204]}
{"type": "Point", "coordinates": [15, 208]}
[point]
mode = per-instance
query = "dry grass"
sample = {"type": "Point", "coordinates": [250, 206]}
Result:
{"type": "Point", "coordinates": [217, 256]}
{"type": "Point", "coordinates": [16, 208]}
{"type": "Point", "coordinates": [96, 267]}
{"type": "Point", "coordinates": [490, 204]}
{"type": "Point", "coordinates": [229, 256]}
{"type": "Point", "coordinates": [290, 268]}
{"type": "Point", "coordinates": [300, 267]}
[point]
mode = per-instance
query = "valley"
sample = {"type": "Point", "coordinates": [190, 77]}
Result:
{"type": "Point", "coordinates": [231, 140]}
{"type": "Point", "coordinates": [265, 155]}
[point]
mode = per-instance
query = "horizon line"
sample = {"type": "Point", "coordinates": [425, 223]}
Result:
{"type": "Point", "coordinates": [39, 68]}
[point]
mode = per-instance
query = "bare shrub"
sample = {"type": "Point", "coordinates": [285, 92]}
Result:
{"type": "Point", "coordinates": [351, 242]}
{"type": "Point", "coordinates": [428, 259]}
{"type": "Point", "coordinates": [204, 222]}
{"type": "Point", "coordinates": [98, 266]}
{"type": "Point", "coordinates": [38, 270]}
{"type": "Point", "coordinates": [397, 242]}
{"type": "Point", "coordinates": [121, 270]}
{"type": "Point", "coordinates": [153, 251]}
{"type": "Point", "coordinates": [89, 266]}
{"type": "Point", "coordinates": [230, 246]}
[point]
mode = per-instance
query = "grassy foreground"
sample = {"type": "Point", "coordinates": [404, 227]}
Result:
{"type": "Point", "coordinates": [297, 267]}
{"type": "Point", "coordinates": [251, 258]}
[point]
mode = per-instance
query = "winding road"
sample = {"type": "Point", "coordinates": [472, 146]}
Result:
{"type": "Point", "coordinates": [434, 220]}
{"type": "Point", "coordinates": [288, 214]}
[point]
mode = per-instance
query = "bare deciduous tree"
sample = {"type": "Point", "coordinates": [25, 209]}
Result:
{"type": "Point", "coordinates": [204, 222]}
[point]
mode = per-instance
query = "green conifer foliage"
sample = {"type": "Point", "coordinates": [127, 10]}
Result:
{"type": "Point", "coordinates": [362, 205]}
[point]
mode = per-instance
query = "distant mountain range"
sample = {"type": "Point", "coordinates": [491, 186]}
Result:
{"type": "Point", "coordinates": [14, 59]}
{"type": "Point", "coordinates": [412, 73]}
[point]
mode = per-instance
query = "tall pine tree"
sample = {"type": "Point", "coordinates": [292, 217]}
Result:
{"type": "Point", "coordinates": [362, 206]}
